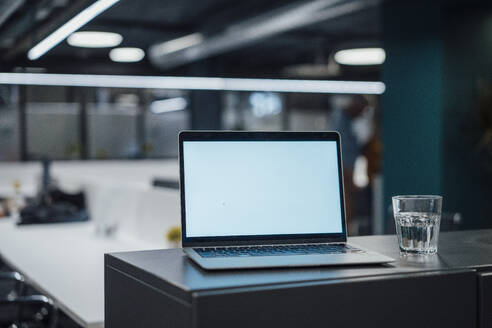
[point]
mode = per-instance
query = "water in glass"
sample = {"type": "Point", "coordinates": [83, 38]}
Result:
{"type": "Point", "coordinates": [418, 232]}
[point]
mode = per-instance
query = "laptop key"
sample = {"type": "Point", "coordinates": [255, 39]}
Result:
{"type": "Point", "coordinates": [275, 250]}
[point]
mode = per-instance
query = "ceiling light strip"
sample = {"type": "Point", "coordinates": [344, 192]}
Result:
{"type": "Point", "coordinates": [177, 44]}
{"type": "Point", "coordinates": [193, 83]}
{"type": "Point", "coordinates": [69, 27]}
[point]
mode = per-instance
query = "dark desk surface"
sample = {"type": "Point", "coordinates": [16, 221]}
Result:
{"type": "Point", "coordinates": [171, 271]}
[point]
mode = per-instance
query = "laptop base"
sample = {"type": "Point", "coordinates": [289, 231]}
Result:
{"type": "Point", "coordinates": [279, 261]}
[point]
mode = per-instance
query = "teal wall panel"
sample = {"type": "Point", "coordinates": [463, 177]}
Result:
{"type": "Point", "coordinates": [412, 108]}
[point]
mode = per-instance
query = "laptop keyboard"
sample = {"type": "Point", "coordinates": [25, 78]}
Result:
{"type": "Point", "coordinates": [276, 250]}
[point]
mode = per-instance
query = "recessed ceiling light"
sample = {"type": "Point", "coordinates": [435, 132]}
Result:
{"type": "Point", "coordinates": [94, 39]}
{"type": "Point", "coordinates": [126, 54]}
{"type": "Point", "coordinates": [360, 56]}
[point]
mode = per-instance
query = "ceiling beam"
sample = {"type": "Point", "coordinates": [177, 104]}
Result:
{"type": "Point", "coordinates": [7, 8]}
{"type": "Point", "coordinates": [178, 29]}
{"type": "Point", "coordinates": [258, 28]}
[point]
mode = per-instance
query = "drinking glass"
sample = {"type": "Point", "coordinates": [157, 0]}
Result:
{"type": "Point", "coordinates": [417, 221]}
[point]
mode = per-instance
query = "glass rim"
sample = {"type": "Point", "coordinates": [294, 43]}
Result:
{"type": "Point", "coordinates": [401, 197]}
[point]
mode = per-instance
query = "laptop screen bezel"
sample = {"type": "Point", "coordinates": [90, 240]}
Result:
{"type": "Point", "coordinates": [185, 136]}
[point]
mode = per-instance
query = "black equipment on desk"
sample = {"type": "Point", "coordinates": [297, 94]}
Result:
{"type": "Point", "coordinates": [53, 205]}
{"type": "Point", "coordinates": [165, 183]}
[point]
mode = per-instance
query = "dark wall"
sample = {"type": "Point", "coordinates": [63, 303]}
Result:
{"type": "Point", "coordinates": [439, 57]}
{"type": "Point", "coordinates": [467, 74]}
{"type": "Point", "coordinates": [206, 111]}
{"type": "Point", "coordinates": [412, 103]}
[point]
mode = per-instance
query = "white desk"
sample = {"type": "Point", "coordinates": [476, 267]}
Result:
{"type": "Point", "coordinates": [66, 262]}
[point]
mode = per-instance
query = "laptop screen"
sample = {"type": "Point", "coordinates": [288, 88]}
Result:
{"type": "Point", "coordinates": [261, 188]}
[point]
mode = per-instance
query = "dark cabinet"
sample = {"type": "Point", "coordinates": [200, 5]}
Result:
{"type": "Point", "coordinates": [485, 299]}
{"type": "Point", "coordinates": [162, 288]}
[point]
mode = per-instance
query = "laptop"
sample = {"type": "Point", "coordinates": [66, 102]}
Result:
{"type": "Point", "coordinates": [264, 199]}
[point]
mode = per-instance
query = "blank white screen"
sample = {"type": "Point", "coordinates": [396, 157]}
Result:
{"type": "Point", "coordinates": [261, 188]}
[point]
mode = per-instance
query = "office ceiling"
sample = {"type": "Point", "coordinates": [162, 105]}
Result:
{"type": "Point", "coordinates": [302, 51]}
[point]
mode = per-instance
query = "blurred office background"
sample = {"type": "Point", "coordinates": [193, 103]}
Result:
{"type": "Point", "coordinates": [426, 129]}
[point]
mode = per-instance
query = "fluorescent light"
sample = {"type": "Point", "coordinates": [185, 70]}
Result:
{"type": "Point", "coordinates": [168, 105]}
{"type": "Point", "coordinates": [361, 56]}
{"type": "Point", "coordinates": [126, 54]}
{"type": "Point", "coordinates": [311, 86]}
{"type": "Point", "coordinates": [69, 27]}
{"type": "Point", "coordinates": [194, 83]}
{"type": "Point", "coordinates": [93, 39]}
{"type": "Point", "coordinates": [177, 44]}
